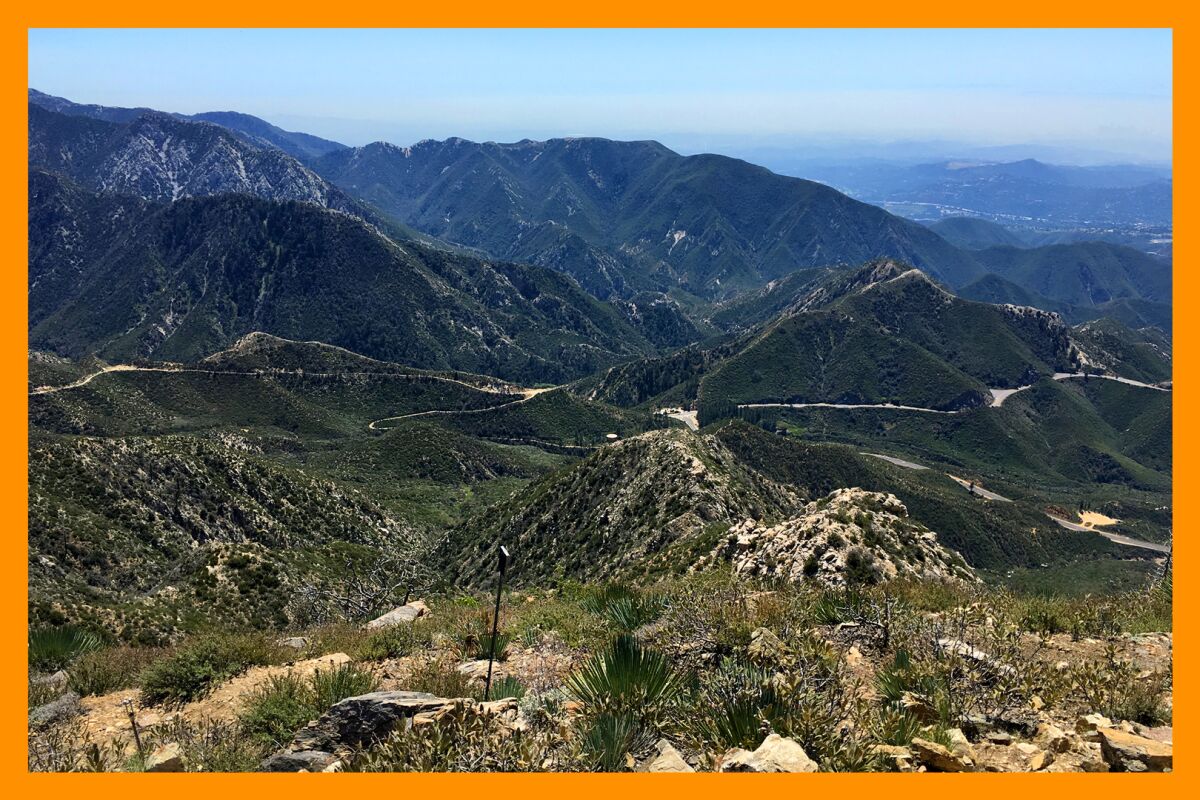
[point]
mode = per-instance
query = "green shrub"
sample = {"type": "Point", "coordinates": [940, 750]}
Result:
{"type": "Point", "coordinates": [346, 680]}
{"type": "Point", "coordinates": [442, 678]}
{"type": "Point", "coordinates": [53, 648]}
{"type": "Point", "coordinates": [465, 741]}
{"type": "Point", "coordinates": [276, 711]}
{"type": "Point", "coordinates": [196, 666]}
{"type": "Point", "coordinates": [395, 641]}
{"type": "Point", "coordinates": [112, 668]}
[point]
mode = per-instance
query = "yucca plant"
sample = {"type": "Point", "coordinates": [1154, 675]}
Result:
{"type": "Point", "coordinates": [508, 686]}
{"type": "Point", "coordinates": [611, 737]}
{"type": "Point", "coordinates": [625, 608]}
{"type": "Point", "coordinates": [896, 726]}
{"type": "Point", "coordinates": [54, 648]}
{"type": "Point", "coordinates": [625, 677]}
{"type": "Point", "coordinates": [483, 645]}
{"type": "Point", "coordinates": [627, 614]}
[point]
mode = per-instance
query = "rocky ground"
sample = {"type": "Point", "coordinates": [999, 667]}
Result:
{"type": "Point", "coordinates": [769, 680]}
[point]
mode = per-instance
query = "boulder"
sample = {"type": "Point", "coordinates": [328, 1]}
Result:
{"type": "Point", "coordinates": [1128, 752]}
{"type": "Point", "coordinates": [1089, 725]}
{"type": "Point", "coordinates": [1082, 757]}
{"type": "Point", "coordinates": [896, 756]}
{"type": "Point", "coordinates": [298, 761]}
{"type": "Point", "coordinates": [61, 709]}
{"type": "Point", "coordinates": [1020, 757]}
{"type": "Point", "coordinates": [56, 680]}
{"type": "Point", "coordinates": [668, 759]}
{"type": "Point", "coordinates": [409, 612]}
{"type": "Point", "coordinates": [1053, 738]}
{"type": "Point", "coordinates": [364, 719]}
{"type": "Point", "coordinates": [775, 754]}
{"type": "Point", "coordinates": [478, 669]}
{"type": "Point", "coordinates": [294, 642]}
{"type": "Point", "coordinates": [167, 758]}
{"type": "Point", "coordinates": [940, 758]}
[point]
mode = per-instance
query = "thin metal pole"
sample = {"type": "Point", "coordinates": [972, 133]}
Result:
{"type": "Point", "coordinates": [487, 688]}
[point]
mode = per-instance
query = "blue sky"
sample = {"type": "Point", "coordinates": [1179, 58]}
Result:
{"type": "Point", "coordinates": [1105, 93]}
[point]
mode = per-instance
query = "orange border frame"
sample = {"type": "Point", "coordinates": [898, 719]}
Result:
{"type": "Point", "coordinates": [546, 13]}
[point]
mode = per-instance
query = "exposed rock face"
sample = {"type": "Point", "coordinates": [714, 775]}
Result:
{"type": "Point", "coordinates": [361, 719]}
{"type": "Point", "coordinates": [775, 754]}
{"type": "Point", "coordinates": [158, 157]}
{"type": "Point", "coordinates": [1020, 757]}
{"type": "Point", "coordinates": [851, 535]}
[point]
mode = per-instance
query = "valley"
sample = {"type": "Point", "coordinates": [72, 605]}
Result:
{"type": "Point", "coordinates": [807, 460]}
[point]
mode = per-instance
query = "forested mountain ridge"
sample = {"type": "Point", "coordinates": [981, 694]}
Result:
{"type": "Point", "coordinates": [709, 224]}
{"type": "Point", "coordinates": [181, 280]}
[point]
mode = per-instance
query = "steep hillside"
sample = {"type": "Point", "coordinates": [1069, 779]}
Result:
{"type": "Point", "coordinates": [1083, 274]}
{"type": "Point", "coordinates": [664, 501]}
{"type": "Point", "coordinates": [1133, 312]}
{"type": "Point", "coordinates": [155, 156]}
{"type": "Point", "coordinates": [145, 523]}
{"type": "Point", "coordinates": [883, 333]}
{"type": "Point", "coordinates": [972, 233]}
{"type": "Point", "coordinates": [622, 211]}
{"type": "Point", "coordinates": [182, 280]}
{"type": "Point", "coordinates": [1143, 354]}
{"type": "Point", "coordinates": [647, 504]}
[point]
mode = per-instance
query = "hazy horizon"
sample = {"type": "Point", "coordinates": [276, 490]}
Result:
{"type": "Point", "coordinates": [1070, 96]}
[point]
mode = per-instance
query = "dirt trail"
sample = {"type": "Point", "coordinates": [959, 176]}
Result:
{"type": "Point", "coordinates": [105, 717]}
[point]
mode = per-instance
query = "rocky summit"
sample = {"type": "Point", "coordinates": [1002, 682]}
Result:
{"type": "Point", "coordinates": [849, 536]}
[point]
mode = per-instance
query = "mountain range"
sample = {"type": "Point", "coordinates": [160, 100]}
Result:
{"type": "Point", "coordinates": [629, 221]}
{"type": "Point", "coordinates": [518, 341]}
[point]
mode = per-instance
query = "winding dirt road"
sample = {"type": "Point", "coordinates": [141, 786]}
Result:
{"type": "Point", "coordinates": [978, 490]}
{"type": "Point", "coordinates": [527, 395]}
{"type": "Point", "coordinates": [998, 397]}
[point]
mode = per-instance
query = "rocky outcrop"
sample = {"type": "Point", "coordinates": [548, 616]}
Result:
{"type": "Point", "coordinates": [849, 536]}
{"type": "Point", "coordinates": [367, 719]}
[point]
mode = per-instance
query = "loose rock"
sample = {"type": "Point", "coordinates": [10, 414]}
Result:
{"type": "Point", "coordinates": [401, 614]}
{"type": "Point", "coordinates": [775, 754]}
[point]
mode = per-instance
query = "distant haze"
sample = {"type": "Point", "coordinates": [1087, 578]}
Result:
{"type": "Point", "coordinates": [772, 96]}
